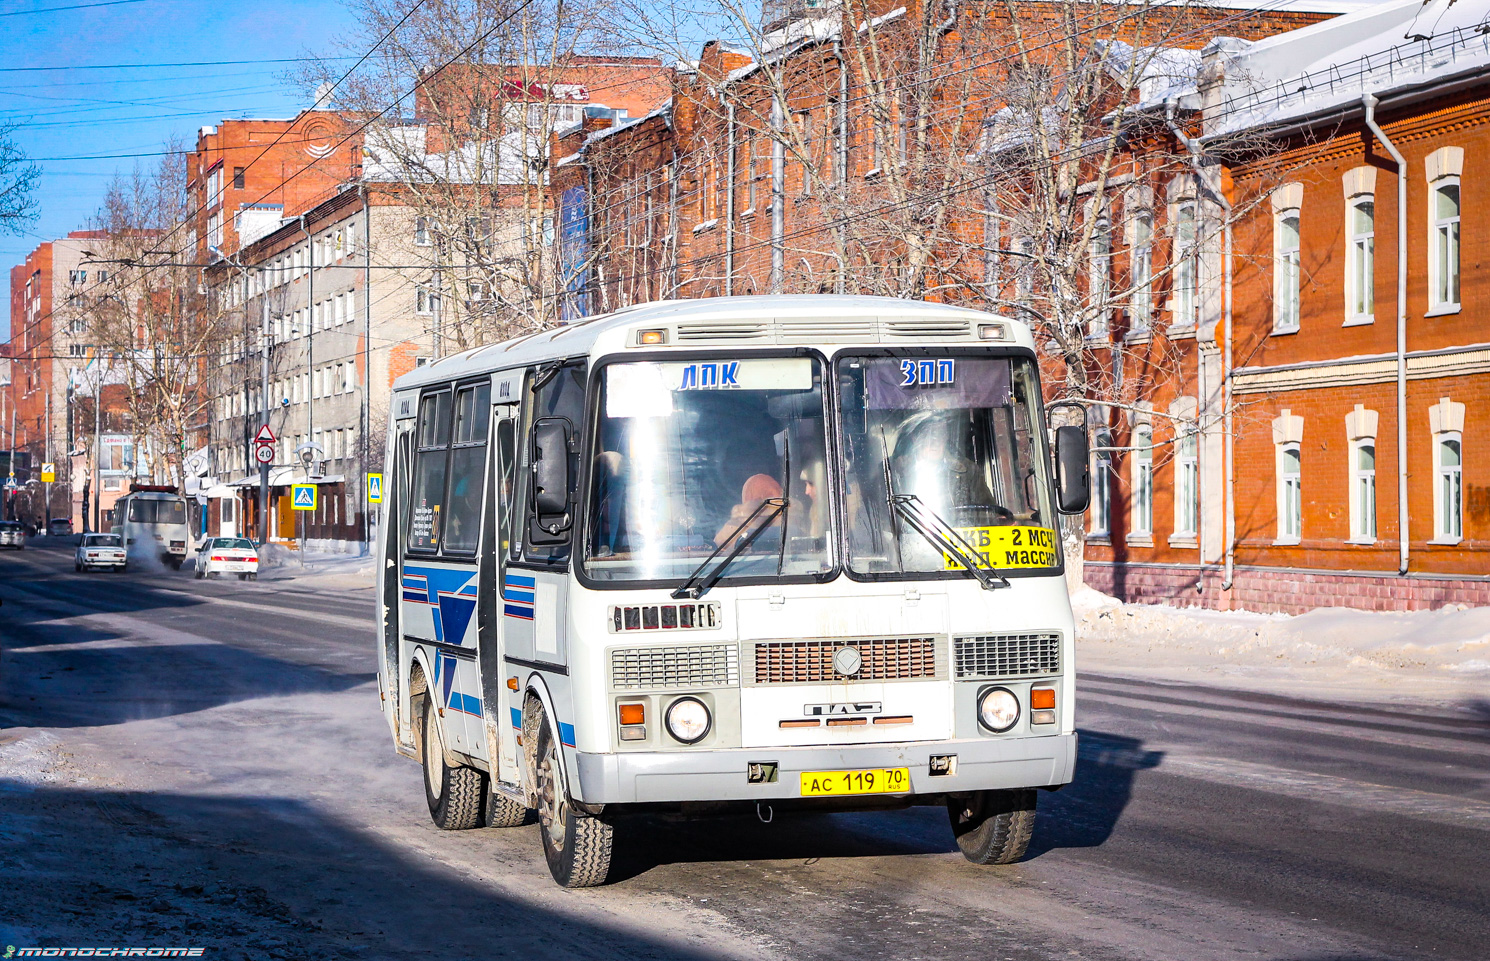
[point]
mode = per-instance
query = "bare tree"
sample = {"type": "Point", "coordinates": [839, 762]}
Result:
{"type": "Point", "coordinates": [18, 177]}
{"type": "Point", "coordinates": [465, 157]}
{"type": "Point", "coordinates": [150, 321]}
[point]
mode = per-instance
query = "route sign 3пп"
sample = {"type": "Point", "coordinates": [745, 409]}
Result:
{"type": "Point", "coordinates": [303, 497]}
{"type": "Point", "coordinates": [375, 488]}
{"type": "Point", "coordinates": [264, 454]}
{"type": "Point", "coordinates": [48, 473]}
{"type": "Point", "coordinates": [264, 436]}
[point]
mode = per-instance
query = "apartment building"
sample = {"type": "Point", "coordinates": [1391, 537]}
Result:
{"type": "Point", "coordinates": [58, 379]}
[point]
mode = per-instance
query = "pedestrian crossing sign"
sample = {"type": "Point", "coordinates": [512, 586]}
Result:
{"type": "Point", "coordinates": [375, 488]}
{"type": "Point", "coordinates": [303, 497]}
{"type": "Point", "coordinates": [48, 472]}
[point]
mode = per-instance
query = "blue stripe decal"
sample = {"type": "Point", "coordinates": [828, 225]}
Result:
{"type": "Point", "coordinates": [517, 718]}
{"type": "Point", "coordinates": [518, 580]}
{"type": "Point", "coordinates": [524, 613]}
{"type": "Point", "coordinates": [521, 597]}
{"type": "Point", "coordinates": [566, 734]}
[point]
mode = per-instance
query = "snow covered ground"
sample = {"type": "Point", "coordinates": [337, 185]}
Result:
{"type": "Point", "coordinates": [1330, 653]}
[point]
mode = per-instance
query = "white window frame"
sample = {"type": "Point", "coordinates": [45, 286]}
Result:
{"type": "Point", "coordinates": [1101, 514]}
{"type": "Point", "coordinates": [1141, 272]}
{"type": "Point", "coordinates": [1290, 493]}
{"type": "Point", "coordinates": [1185, 290]}
{"type": "Point", "coordinates": [1448, 489]}
{"type": "Point", "coordinates": [1360, 263]}
{"type": "Point", "coordinates": [421, 232]}
{"type": "Point", "coordinates": [1362, 492]}
{"type": "Point", "coordinates": [1445, 249]}
{"type": "Point", "coordinates": [1099, 278]}
{"type": "Point", "coordinates": [1187, 482]}
{"type": "Point", "coordinates": [1141, 511]}
{"type": "Point", "coordinates": [1287, 272]}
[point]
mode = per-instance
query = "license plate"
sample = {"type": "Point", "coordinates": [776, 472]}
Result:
{"type": "Point", "coordinates": [880, 780]}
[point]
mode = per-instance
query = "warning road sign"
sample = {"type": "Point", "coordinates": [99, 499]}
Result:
{"type": "Point", "coordinates": [48, 473]}
{"type": "Point", "coordinates": [264, 454]}
{"type": "Point", "coordinates": [303, 497]}
{"type": "Point", "coordinates": [375, 488]}
{"type": "Point", "coordinates": [264, 436]}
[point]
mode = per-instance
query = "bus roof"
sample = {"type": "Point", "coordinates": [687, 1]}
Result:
{"type": "Point", "coordinates": [758, 321]}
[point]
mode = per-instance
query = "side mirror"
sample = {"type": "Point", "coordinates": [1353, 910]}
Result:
{"type": "Point", "coordinates": [550, 468]}
{"type": "Point", "coordinates": [1073, 479]}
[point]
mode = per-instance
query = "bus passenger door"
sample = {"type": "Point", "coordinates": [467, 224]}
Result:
{"type": "Point", "coordinates": [501, 708]}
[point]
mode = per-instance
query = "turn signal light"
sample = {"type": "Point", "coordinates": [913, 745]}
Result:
{"type": "Point", "coordinates": [1042, 698]}
{"type": "Point", "coordinates": [651, 338]}
{"type": "Point", "coordinates": [512, 684]}
{"type": "Point", "coordinates": [633, 714]}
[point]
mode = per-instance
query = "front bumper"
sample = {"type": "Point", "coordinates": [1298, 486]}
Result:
{"type": "Point", "coordinates": [677, 776]}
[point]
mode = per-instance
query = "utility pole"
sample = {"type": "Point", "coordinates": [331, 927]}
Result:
{"type": "Point", "coordinates": [264, 400]}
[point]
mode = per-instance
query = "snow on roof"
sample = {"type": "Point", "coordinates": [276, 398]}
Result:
{"type": "Point", "coordinates": [1385, 47]}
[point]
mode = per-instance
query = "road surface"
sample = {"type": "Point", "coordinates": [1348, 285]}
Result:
{"type": "Point", "coordinates": [204, 763]}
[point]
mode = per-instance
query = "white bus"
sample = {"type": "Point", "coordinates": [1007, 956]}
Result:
{"type": "Point", "coordinates": [755, 553]}
{"type": "Point", "coordinates": [153, 521]}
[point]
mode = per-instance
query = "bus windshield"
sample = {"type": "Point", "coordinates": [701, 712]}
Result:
{"type": "Point", "coordinates": [954, 439]}
{"type": "Point", "coordinates": [694, 457]}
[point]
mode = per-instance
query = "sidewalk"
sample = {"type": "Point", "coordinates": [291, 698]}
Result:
{"type": "Point", "coordinates": [1336, 653]}
{"type": "Point", "coordinates": [278, 563]}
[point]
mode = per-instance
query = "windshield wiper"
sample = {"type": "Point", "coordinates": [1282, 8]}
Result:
{"type": "Point", "coordinates": [777, 506]}
{"type": "Point", "coordinates": [930, 525]}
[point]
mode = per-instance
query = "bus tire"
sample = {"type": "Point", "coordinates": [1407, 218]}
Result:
{"type": "Point", "coordinates": [454, 793]}
{"type": "Point", "coordinates": [576, 845]}
{"type": "Point", "coordinates": [993, 827]}
{"type": "Point", "coordinates": [503, 812]}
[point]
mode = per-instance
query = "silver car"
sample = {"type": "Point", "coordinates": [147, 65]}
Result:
{"type": "Point", "coordinates": [12, 534]}
{"type": "Point", "coordinates": [96, 551]}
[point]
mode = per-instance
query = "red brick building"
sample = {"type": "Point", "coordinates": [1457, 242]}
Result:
{"type": "Point", "coordinates": [1250, 396]}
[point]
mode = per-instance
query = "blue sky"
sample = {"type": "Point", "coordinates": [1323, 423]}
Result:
{"type": "Point", "coordinates": [89, 113]}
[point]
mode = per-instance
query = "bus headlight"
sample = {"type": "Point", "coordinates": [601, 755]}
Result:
{"type": "Point", "coordinates": [687, 720]}
{"type": "Point", "coordinates": [998, 709]}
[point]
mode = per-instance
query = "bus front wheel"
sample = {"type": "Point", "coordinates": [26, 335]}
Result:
{"type": "Point", "coordinates": [576, 845]}
{"type": "Point", "coordinates": [454, 793]}
{"type": "Point", "coordinates": [993, 827]}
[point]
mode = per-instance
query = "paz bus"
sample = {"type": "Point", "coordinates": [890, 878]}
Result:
{"type": "Point", "coordinates": [767, 554]}
{"type": "Point", "coordinates": [152, 520]}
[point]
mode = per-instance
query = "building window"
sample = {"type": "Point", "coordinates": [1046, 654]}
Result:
{"type": "Point", "coordinates": [1448, 499]}
{"type": "Point", "coordinates": [1141, 268]}
{"type": "Point", "coordinates": [1186, 266]}
{"type": "Point", "coordinates": [1363, 490]}
{"type": "Point", "coordinates": [1099, 267]}
{"type": "Point", "coordinates": [1101, 514]}
{"type": "Point", "coordinates": [1443, 254]}
{"type": "Point", "coordinates": [1286, 271]}
{"type": "Point", "coordinates": [1290, 494]}
{"type": "Point", "coordinates": [1142, 523]}
{"type": "Point", "coordinates": [421, 232]}
{"type": "Point", "coordinates": [237, 178]}
{"type": "Point", "coordinates": [1360, 268]}
{"type": "Point", "coordinates": [77, 276]}
{"type": "Point", "coordinates": [1186, 483]}
{"type": "Point", "coordinates": [423, 301]}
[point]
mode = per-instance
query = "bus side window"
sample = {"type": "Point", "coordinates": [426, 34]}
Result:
{"type": "Point", "coordinates": [431, 461]}
{"type": "Point", "coordinates": [467, 468]}
{"type": "Point", "coordinates": [559, 397]}
{"type": "Point", "coordinates": [506, 452]}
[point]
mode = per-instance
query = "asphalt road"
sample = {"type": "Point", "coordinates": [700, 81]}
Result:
{"type": "Point", "coordinates": [203, 763]}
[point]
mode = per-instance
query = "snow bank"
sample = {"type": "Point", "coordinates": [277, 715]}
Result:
{"type": "Point", "coordinates": [1442, 654]}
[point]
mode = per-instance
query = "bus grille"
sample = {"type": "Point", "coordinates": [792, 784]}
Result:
{"type": "Point", "coordinates": [687, 616]}
{"type": "Point", "coordinates": [1008, 655]}
{"type": "Point", "coordinates": [650, 668]}
{"type": "Point", "coordinates": [811, 662]}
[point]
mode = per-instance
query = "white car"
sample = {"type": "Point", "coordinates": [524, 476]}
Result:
{"type": "Point", "coordinates": [98, 551]}
{"type": "Point", "coordinates": [12, 534]}
{"type": "Point", "coordinates": [228, 555]}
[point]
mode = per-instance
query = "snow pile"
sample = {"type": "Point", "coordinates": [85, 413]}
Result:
{"type": "Point", "coordinates": [1417, 653]}
{"type": "Point", "coordinates": [278, 562]}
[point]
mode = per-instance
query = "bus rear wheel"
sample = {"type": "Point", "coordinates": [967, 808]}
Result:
{"type": "Point", "coordinates": [455, 794]}
{"type": "Point", "coordinates": [993, 827]}
{"type": "Point", "coordinates": [576, 845]}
